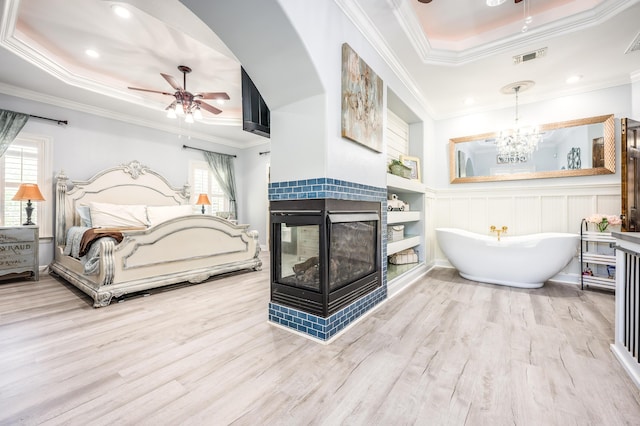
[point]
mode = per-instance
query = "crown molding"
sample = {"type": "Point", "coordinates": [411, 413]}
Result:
{"type": "Point", "coordinates": [354, 12]}
{"type": "Point", "coordinates": [44, 61]}
{"type": "Point", "coordinates": [411, 26]}
{"type": "Point", "coordinates": [452, 57]}
{"type": "Point", "coordinates": [89, 109]}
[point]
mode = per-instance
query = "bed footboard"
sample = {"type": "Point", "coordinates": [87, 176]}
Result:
{"type": "Point", "coordinates": [189, 248]}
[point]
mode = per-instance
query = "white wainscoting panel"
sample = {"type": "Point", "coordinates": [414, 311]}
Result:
{"type": "Point", "coordinates": [553, 210]}
{"type": "Point", "coordinates": [608, 204]}
{"type": "Point", "coordinates": [579, 207]}
{"type": "Point", "coordinates": [500, 212]}
{"type": "Point", "coordinates": [460, 213]}
{"type": "Point", "coordinates": [523, 223]}
{"type": "Point", "coordinates": [479, 213]}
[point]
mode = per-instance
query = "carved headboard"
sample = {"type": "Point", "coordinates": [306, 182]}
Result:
{"type": "Point", "coordinates": [131, 183]}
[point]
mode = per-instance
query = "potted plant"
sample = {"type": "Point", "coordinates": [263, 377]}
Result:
{"type": "Point", "coordinates": [396, 167]}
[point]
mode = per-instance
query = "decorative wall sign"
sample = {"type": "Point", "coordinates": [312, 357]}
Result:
{"type": "Point", "coordinates": [573, 159]}
{"type": "Point", "coordinates": [511, 159]}
{"type": "Point", "coordinates": [361, 101]}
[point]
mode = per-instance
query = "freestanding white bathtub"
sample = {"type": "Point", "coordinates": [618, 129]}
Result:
{"type": "Point", "coordinates": [522, 261]}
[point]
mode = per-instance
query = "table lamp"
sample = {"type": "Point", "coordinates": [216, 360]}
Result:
{"type": "Point", "coordinates": [28, 192]}
{"type": "Point", "coordinates": [203, 200]}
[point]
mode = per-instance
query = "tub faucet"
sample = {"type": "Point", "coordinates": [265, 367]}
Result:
{"type": "Point", "coordinates": [503, 230]}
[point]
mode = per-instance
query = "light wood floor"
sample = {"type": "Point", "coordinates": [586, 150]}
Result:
{"type": "Point", "coordinates": [443, 352]}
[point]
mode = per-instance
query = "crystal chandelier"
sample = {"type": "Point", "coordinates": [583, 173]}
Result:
{"type": "Point", "coordinates": [516, 145]}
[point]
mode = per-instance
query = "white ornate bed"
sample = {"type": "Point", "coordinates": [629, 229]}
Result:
{"type": "Point", "coordinates": [188, 248]}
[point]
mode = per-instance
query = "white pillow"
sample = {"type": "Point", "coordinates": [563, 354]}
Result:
{"type": "Point", "coordinates": [85, 215]}
{"type": "Point", "coordinates": [159, 214]}
{"type": "Point", "coordinates": [106, 215]}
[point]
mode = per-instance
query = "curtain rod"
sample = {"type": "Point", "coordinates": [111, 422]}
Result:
{"type": "Point", "coordinates": [59, 122]}
{"type": "Point", "coordinates": [206, 150]}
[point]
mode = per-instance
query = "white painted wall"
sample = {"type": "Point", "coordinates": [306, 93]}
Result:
{"type": "Point", "coordinates": [252, 172]}
{"type": "Point", "coordinates": [295, 62]}
{"type": "Point", "coordinates": [635, 96]}
{"type": "Point", "coordinates": [298, 135]}
{"type": "Point", "coordinates": [346, 159]}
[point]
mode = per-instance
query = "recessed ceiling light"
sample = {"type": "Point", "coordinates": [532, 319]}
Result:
{"type": "Point", "coordinates": [469, 101]}
{"type": "Point", "coordinates": [92, 53]}
{"type": "Point", "coordinates": [492, 3]}
{"type": "Point", "coordinates": [122, 12]}
{"type": "Point", "coordinates": [574, 79]}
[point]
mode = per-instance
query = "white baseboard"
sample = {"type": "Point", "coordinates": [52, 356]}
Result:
{"type": "Point", "coordinates": [628, 363]}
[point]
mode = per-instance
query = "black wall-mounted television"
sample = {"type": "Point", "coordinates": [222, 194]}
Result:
{"type": "Point", "coordinates": [255, 112]}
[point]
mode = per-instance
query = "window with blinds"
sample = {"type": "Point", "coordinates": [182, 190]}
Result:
{"type": "Point", "coordinates": [203, 182]}
{"type": "Point", "coordinates": [19, 164]}
{"type": "Point", "coordinates": [27, 160]}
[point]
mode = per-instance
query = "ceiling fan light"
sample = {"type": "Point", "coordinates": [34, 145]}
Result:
{"type": "Point", "coordinates": [493, 3]}
{"type": "Point", "coordinates": [179, 109]}
{"type": "Point", "coordinates": [197, 114]}
{"type": "Point", "coordinates": [122, 12]}
{"type": "Point", "coordinates": [171, 113]}
{"type": "Point", "coordinates": [188, 118]}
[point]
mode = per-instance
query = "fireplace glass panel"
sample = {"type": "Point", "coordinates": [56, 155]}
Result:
{"type": "Point", "coordinates": [352, 252]}
{"type": "Point", "coordinates": [300, 249]}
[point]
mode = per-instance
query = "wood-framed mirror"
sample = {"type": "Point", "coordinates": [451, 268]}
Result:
{"type": "Point", "coordinates": [582, 147]}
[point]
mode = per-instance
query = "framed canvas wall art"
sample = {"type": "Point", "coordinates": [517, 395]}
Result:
{"type": "Point", "coordinates": [361, 101]}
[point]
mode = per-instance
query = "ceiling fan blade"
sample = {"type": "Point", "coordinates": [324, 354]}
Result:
{"type": "Point", "coordinates": [171, 105]}
{"type": "Point", "coordinates": [208, 107]}
{"type": "Point", "coordinates": [172, 81]}
{"type": "Point", "coordinates": [213, 95]}
{"type": "Point", "coordinates": [149, 90]}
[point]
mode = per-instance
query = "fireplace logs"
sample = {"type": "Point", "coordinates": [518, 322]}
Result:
{"type": "Point", "coordinates": [325, 253]}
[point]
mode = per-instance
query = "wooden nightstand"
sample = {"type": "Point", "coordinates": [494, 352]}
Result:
{"type": "Point", "coordinates": [19, 252]}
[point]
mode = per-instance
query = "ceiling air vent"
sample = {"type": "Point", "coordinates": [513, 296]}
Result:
{"type": "Point", "coordinates": [635, 45]}
{"type": "Point", "coordinates": [529, 56]}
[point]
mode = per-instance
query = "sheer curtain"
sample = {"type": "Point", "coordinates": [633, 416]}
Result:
{"type": "Point", "coordinates": [10, 125]}
{"type": "Point", "coordinates": [222, 167]}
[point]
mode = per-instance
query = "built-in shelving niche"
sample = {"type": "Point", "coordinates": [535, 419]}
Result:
{"type": "Point", "coordinates": [405, 124]}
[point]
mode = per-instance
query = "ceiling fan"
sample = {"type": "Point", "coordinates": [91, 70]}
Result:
{"type": "Point", "coordinates": [187, 103]}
